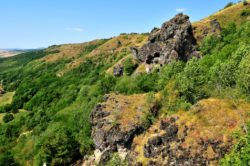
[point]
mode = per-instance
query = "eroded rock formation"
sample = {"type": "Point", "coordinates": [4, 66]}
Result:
{"type": "Point", "coordinates": [174, 41]}
{"type": "Point", "coordinates": [115, 123]}
{"type": "Point", "coordinates": [201, 136]}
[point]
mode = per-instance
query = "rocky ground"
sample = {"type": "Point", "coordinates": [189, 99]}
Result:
{"type": "Point", "coordinates": [201, 136]}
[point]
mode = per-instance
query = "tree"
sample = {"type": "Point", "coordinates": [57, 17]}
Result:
{"type": "Point", "coordinates": [7, 159]}
{"type": "Point", "coordinates": [8, 117]}
{"type": "Point", "coordinates": [129, 66]}
{"type": "Point", "coordinates": [243, 79]}
{"type": "Point", "coordinates": [59, 148]}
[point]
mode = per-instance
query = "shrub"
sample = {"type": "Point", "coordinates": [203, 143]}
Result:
{"type": "Point", "coordinates": [244, 74]}
{"type": "Point", "coordinates": [245, 3]}
{"type": "Point", "coordinates": [240, 153]}
{"type": "Point", "coordinates": [129, 66]}
{"type": "Point", "coordinates": [190, 82]}
{"type": "Point", "coordinates": [245, 12]}
{"type": "Point", "coordinates": [58, 147]}
{"type": "Point", "coordinates": [228, 5]}
{"type": "Point", "coordinates": [116, 161]}
{"type": "Point", "coordinates": [6, 158]}
{"type": "Point", "coordinates": [8, 117]}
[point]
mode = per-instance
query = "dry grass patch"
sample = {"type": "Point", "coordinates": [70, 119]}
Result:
{"type": "Point", "coordinates": [126, 110]}
{"type": "Point", "coordinates": [231, 14]}
{"type": "Point", "coordinates": [214, 119]}
{"type": "Point", "coordinates": [210, 120]}
{"type": "Point", "coordinates": [68, 51]}
{"type": "Point", "coordinates": [115, 46]}
{"type": "Point", "coordinates": [6, 98]}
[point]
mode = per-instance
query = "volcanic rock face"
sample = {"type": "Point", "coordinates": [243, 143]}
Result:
{"type": "Point", "coordinates": [115, 122]}
{"type": "Point", "coordinates": [174, 41]}
{"type": "Point", "coordinates": [167, 148]}
{"type": "Point", "coordinates": [201, 136]}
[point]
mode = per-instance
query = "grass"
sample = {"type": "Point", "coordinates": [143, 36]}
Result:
{"type": "Point", "coordinates": [6, 98]}
{"type": "Point", "coordinates": [214, 119]}
{"type": "Point", "coordinates": [17, 115]}
{"type": "Point", "coordinates": [1, 117]}
{"type": "Point", "coordinates": [120, 62]}
{"type": "Point", "coordinates": [128, 109]}
{"type": "Point", "coordinates": [68, 51]}
{"type": "Point", "coordinates": [108, 50]}
{"type": "Point", "coordinates": [141, 140]}
{"type": "Point", "coordinates": [231, 14]}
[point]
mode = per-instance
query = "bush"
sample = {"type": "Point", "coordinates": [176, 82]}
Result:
{"type": "Point", "coordinates": [240, 153]}
{"type": "Point", "coordinates": [245, 3]}
{"type": "Point", "coordinates": [245, 12]}
{"type": "Point", "coordinates": [8, 117]}
{"type": "Point", "coordinates": [190, 82]}
{"type": "Point", "coordinates": [244, 74]}
{"type": "Point", "coordinates": [58, 147]}
{"type": "Point", "coordinates": [129, 66]}
{"type": "Point", "coordinates": [116, 161]}
{"type": "Point", "coordinates": [7, 159]}
{"type": "Point", "coordinates": [228, 5]}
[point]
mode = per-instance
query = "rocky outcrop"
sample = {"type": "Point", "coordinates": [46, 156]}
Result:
{"type": "Point", "coordinates": [118, 71]}
{"type": "Point", "coordinates": [201, 136]}
{"type": "Point", "coordinates": [167, 147]}
{"type": "Point", "coordinates": [115, 123]}
{"type": "Point", "coordinates": [215, 26]}
{"type": "Point", "coordinates": [174, 41]}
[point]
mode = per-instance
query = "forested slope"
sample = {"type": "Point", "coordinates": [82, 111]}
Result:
{"type": "Point", "coordinates": [55, 90]}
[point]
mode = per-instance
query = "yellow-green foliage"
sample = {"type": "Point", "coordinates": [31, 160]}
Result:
{"type": "Point", "coordinates": [232, 14]}
{"type": "Point", "coordinates": [126, 110]}
{"type": "Point", "coordinates": [1, 117]}
{"type": "Point", "coordinates": [6, 98]}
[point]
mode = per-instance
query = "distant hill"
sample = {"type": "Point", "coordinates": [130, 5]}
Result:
{"type": "Point", "coordinates": [235, 13]}
{"type": "Point", "coordinates": [4, 53]}
{"type": "Point", "coordinates": [9, 53]}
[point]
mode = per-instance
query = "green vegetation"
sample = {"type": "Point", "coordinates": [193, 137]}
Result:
{"type": "Point", "coordinates": [245, 13]}
{"type": "Point", "coordinates": [116, 161]}
{"type": "Point", "coordinates": [6, 98]}
{"type": "Point", "coordinates": [7, 118]}
{"type": "Point", "coordinates": [245, 2]}
{"type": "Point", "coordinates": [55, 128]}
{"type": "Point", "coordinates": [228, 5]}
{"type": "Point", "coordinates": [240, 153]}
{"type": "Point", "coordinates": [129, 66]}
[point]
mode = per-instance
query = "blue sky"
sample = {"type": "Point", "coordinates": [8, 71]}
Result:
{"type": "Point", "coordinates": [40, 23]}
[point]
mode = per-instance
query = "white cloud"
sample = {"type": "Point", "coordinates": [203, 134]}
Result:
{"type": "Point", "coordinates": [75, 29]}
{"type": "Point", "coordinates": [180, 10]}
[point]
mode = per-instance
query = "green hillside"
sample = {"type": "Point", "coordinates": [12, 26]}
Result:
{"type": "Point", "coordinates": [57, 88]}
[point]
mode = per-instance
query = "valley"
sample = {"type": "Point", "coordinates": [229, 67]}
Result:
{"type": "Point", "coordinates": [178, 95]}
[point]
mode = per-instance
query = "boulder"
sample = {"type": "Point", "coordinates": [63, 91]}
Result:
{"type": "Point", "coordinates": [174, 41]}
{"type": "Point", "coordinates": [118, 71]}
{"type": "Point", "coordinates": [215, 26]}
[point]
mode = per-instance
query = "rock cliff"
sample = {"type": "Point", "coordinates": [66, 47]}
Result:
{"type": "Point", "coordinates": [174, 41]}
